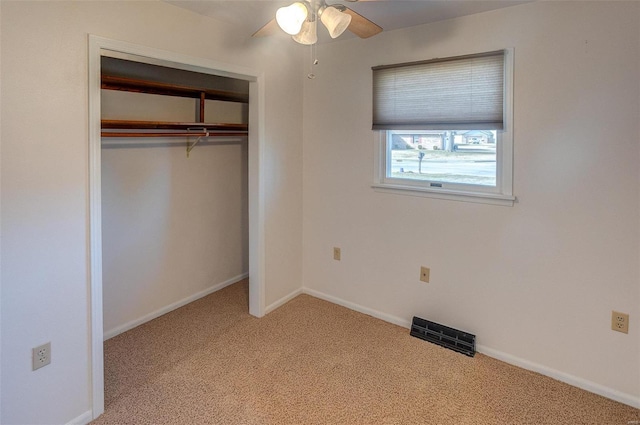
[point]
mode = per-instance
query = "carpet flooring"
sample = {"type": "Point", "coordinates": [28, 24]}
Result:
{"type": "Point", "coordinates": [313, 362]}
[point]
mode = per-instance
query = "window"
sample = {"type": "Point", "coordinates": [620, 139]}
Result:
{"type": "Point", "coordinates": [444, 127]}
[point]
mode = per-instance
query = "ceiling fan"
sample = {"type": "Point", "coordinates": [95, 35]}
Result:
{"type": "Point", "coordinates": [300, 20]}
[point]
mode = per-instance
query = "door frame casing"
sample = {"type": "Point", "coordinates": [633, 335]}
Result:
{"type": "Point", "coordinates": [100, 46]}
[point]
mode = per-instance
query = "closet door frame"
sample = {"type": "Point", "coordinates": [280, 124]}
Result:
{"type": "Point", "coordinates": [100, 46]}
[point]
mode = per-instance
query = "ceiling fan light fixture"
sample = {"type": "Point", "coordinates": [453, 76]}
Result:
{"type": "Point", "coordinates": [308, 34]}
{"type": "Point", "coordinates": [291, 18]}
{"type": "Point", "coordinates": [335, 21]}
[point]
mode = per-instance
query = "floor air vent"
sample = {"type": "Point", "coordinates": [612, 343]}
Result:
{"type": "Point", "coordinates": [454, 339]}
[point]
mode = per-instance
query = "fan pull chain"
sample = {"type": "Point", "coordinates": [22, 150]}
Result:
{"type": "Point", "coordinates": [314, 62]}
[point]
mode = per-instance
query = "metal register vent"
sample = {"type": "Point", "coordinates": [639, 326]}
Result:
{"type": "Point", "coordinates": [445, 336]}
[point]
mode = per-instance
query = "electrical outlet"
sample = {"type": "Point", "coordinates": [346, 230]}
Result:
{"type": "Point", "coordinates": [424, 274]}
{"type": "Point", "coordinates": [620, 322]}
{"type": "Point", "coordinates": [41, 356]}
{"type": "Point", "coordinates": [336, 254]}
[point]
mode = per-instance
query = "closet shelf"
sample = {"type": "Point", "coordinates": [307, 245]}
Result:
{"type": "Point", "coordinates": [201, 130]}
{"type": "Point", "coordinates": [167, 89]}
{"type": "Point", "coordinates": [166, 125]}
{"type": "Point", "coordinates": [177, 129]}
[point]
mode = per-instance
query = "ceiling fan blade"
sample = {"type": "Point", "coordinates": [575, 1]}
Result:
{"type": "Point", "coordinates": [361, 26]}
{"type": "Point", "coordinates": [270, 28]}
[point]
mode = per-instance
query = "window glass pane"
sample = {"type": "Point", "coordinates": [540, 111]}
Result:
{"type": "Point", "coordinates": [445, 156]}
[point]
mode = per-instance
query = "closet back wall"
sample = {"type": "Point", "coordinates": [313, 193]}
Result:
{"type": "Point", "coordinates": [173, 227]}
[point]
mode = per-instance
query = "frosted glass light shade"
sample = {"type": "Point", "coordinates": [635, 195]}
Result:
{"type": "Point", "coordinates": [291, 18]}
{"type": "Point", "coordinates": [307, 34]}
{"type": "Point", "coordinates": [335, 21]}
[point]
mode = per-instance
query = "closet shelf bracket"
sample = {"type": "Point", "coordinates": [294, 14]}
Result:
{"type": "Point", "coordinates": [191, 146]}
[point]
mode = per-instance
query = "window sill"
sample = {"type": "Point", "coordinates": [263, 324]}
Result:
{"type": "Point", "coordinates": [452, 195]}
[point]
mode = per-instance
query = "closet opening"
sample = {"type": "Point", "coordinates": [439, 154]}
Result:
{"type": "Point", "coordinates": [176, 187]}
{"type": "Point", "coordinates": [175, 224]}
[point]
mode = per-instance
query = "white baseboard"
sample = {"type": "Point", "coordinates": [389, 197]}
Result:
{"type": "Point", "coordinates": [166, 309]}
{"type": "Point", "coordinates": [83, 419]}
{"type": "Point", "coordinates": [575, 381]}
{"type": "Point", "coordinates": [282, 301]}
{"type": "Point", "coordinates": [357, 307]}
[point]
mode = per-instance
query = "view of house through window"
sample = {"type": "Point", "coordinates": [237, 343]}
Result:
{"type": "Point", "coordinates": [446, 156]}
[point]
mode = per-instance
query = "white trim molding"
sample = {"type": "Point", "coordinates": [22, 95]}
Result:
{"type": "Point", "coordinates": [584, 384]}
{"type": "Point", "coordinates": [481, 198]}
{"type": "Point", "coordinates": [95, 229]}
{"type": "Point", "coordinates": [282, 301]}
{"type": "Point", "coordinates": [100, 46]}
{"type": "Point", "coordinates": [359, 308]}
{"type": "Point", "coordinates": [83, 419]}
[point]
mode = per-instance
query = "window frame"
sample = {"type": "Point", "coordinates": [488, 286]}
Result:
{"type": "Point", "coordinates": [500, 194]}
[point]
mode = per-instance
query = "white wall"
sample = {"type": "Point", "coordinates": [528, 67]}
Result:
{"type": "Point", "coordinates": [173, 227]}
{"type": "Point", "coordinates": [0, 209]}
{"type": "Point", "coordinates": [537, 281]}
{"type": "Point", "coordinates": [44, 175]}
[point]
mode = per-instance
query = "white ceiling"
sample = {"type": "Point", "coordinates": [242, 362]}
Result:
{"type": "Point", "coordinates": [251, 15]}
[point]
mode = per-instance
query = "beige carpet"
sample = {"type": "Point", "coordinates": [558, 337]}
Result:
{"type": "Point", "coordinates": [313, 362]}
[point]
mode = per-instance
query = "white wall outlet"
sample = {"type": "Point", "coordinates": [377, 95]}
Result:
{"type": "Point", "coordinates": [620, 322]}
{"type": "Point", "coordinates": [41, 356]}
{"type": "Point", "coordinates": [424, 274]}
{"type": "Point", "coordinates": [336, 253]}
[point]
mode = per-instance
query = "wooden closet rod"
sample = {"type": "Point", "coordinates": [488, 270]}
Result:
{"type": "Point", "coordinates": [174, 134]}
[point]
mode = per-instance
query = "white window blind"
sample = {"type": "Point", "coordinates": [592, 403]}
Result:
{"type": "Point", "coordinates": [464, 92]}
